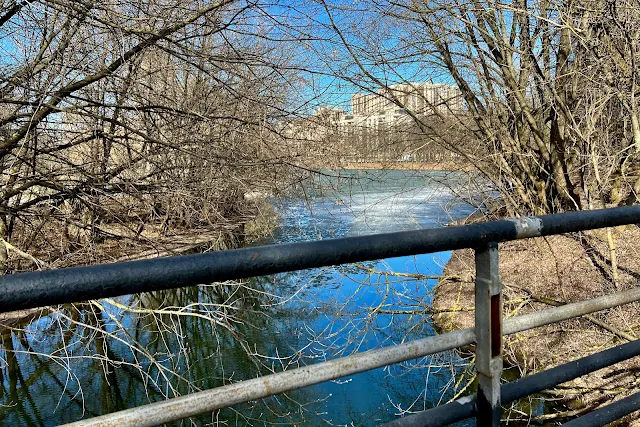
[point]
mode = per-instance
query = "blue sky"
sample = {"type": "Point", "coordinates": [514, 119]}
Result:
{"type": "Point", "coordinates": [373, 41]}
{"type": "Point", "coordinates": [329, 74]}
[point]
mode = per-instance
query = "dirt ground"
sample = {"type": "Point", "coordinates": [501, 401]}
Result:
{"type": "Point", "coordinates": [536, 273]}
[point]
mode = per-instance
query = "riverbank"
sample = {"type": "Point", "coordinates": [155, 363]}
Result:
{"type": "Point", "coordinates": [426, 166]}
{"type": "Point", "coordinates": [543, 272]}
{"type": "Point", "coordinates": [152, 242]}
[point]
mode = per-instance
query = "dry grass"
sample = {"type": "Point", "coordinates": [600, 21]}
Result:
{"type": "Point", "coordinates": [565, 269]}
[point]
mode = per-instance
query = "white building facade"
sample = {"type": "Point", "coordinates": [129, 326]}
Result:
{"type": "Point", "coordinates": [420, 98]}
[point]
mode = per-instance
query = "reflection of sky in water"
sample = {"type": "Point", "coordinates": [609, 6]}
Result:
{"type": "Point", "coordinates": [333, 305]}
{"type": "Point", "coordinates": [343, 298]}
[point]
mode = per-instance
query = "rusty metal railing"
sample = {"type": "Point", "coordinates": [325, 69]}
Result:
{"type": "Point", "coordinates": [61, 286]}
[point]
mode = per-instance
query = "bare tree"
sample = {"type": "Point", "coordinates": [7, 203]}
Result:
{"type": "Point", "coordinates": [550, 88]}
{"type": "Point", "coordinates": [127, 126]}
{"type": "Point", "coordinates": [118, 115]}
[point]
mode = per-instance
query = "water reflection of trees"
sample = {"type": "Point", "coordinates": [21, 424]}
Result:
{"type": "Point", "coordinates": [98, 357]}
{"type": "Point", "coordinates": [378, 304]}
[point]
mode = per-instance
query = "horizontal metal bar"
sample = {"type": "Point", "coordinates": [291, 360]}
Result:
{"type": "Point", "coordinates": [442, 415]}
{"type": "Point", "coordinates": [464, 408]}
{"type": "Point", "coordinates": [568, 311]}
{"type": "Point", "coordinates": [549, 378]}
{"type": "Point", "coordinates": [460, 410]}
{"type": "Point", "coordinates": [607, 414]}
{"type": "Point", "coordinates": [221, 397]}
{"type": "Point", "coordinates": [244, 391]}
{"type": "Point", "coordinates": [38, 289]}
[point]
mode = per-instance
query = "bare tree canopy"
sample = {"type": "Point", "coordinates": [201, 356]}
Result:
{"type": "Point", "coordinates": [550, 88]}
{"type": "Point", "coordinates": [118, 109]}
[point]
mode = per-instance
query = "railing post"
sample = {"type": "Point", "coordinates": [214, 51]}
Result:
{"type": "Point", "coordinates": [488, 328]}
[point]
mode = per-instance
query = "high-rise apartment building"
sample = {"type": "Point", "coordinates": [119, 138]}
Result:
{"type": "Point", "coordinates": [420, 98]}
{"type": "Point", "coordinates": [377, 112]}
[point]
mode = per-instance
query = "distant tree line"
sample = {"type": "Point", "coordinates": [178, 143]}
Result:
{"type": "Point", "coordinates": [404, 142]}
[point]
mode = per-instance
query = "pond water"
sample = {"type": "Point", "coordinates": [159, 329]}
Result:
{"type": "Point", "coordinates": [91, 359]}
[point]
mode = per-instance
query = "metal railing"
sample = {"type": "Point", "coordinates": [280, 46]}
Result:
{"type": "Point", "coordinates": [38, 289]}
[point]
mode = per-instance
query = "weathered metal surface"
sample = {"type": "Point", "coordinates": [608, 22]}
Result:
{"type": "Point", "coordinates": [450, 413]}
{"type": "Point", "coordinates": [464, 408]}
{"type": "Point", "coordinates": [527, 227]}
{"type": "Point", "coordinates": [221, 397]}
{"type": "Point", "coordinates": [608, 414]}
{"type": "Point", "coordinates": [38, 289]}
{"type": "Point", "coordinates": [568, 311]}
{"type": "Point", "coordinates": [488, 327]}
{"type": "Point", "coordinates": [569, 371]}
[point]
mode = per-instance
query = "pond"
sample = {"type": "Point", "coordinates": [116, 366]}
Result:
{"type": "Point", "coordinates": [94, 358]}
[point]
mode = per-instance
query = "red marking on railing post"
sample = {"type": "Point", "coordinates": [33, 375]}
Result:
{"type": "Point", "coordinates": [496, 325]}
{"type": "Point", "coordinates": [488, 328]}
